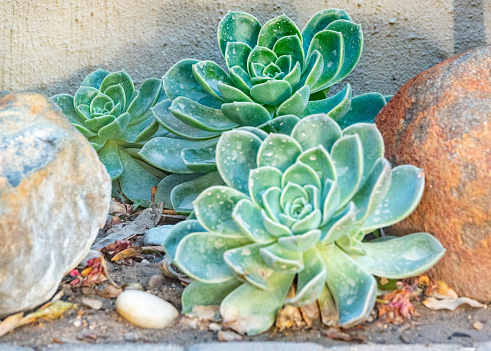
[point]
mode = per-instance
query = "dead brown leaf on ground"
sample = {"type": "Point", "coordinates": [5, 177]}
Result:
{"type": "Point", "coordinates": [338, 334]}
{"type": "Point", "coordinates": [396, 307]}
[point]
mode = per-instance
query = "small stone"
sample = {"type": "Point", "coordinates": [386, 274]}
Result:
{"type": "Point", "coordinates": [229, 336]}
{"type": "Point", "coordinates": [155, 281]}
{"type": "Point", "coordinates": [215, 327]}
{"type": "Point", "coordinates": [478, 325]}
{"type": "Point", "coordinates": [392, 20]}
{"type": "Point", "coordinates": [54, 198]}
{"type": "Point", "coordinates": [110, 292]}
{"type": "Point", "coordinates": [130, 337]}
{"type": "Point", "coordinates": [92, 303]}
{"type": "Point", "coordinates": [77, 323]}
{"type": "Point", "coordinates": [145, 310]}
{"type": "Point", "coordinates": [134, 286]}
{"type": "Point", "coordinates": [155, 236]}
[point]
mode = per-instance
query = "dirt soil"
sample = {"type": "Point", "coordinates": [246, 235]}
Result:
{"type": "Point", "coordinates": [88, 326]}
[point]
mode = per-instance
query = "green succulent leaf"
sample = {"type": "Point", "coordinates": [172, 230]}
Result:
{"type": "Point", "coordinates": [119, 78]}
{"type": "Point", "coordinates": [236, 54]}
{"type": "Point", "coordinates": [279, 151]}
{"type": "Point", "coordinates": [272, 92]}
{"type": "Point", "coordinates": [290, 46]}
{"type": "Point", "coordinates": [246, 113]}
{"type": "Point", "coordinates": [260, 180]}
{"type": "Point", "coordinates": [178, 232]}
{"type": "Point", "coordinates": [320, 161]}
{"type": "Point", "coordinates": [109, 156]}
{"type": "Point", "coordinates": [148, 95]}
{"type": "Point", "coordinates": [280, 125]}
{"type": "Point", "coordinates": [282, 260]}
{"type": "Point", "coordinates": [313, 72]}
{"type": "Point", "coordinates": [238, 27]}
{"type": "Point", "coordinates": [294, 76]}
{"type": "Point", "coordinates": [167, 184]}
{"type": "Point", "coordinates": [65, 102]}
{"type": "Point", "coordinates": [364, 109]}
{"type": "Point", "coordinates": [201, 160]}
{"type": "Point", "coordinates": [84, 96]}
{"type": "Point", "coordinates": [231, 93]}
{"type": "Point", "coordinates": [302, 242]}
{"type": "Point", "coordinates": [316, 130]}
{"type": "Point", "coordinates": [301, 174]}
{"type": "Point", "coordinates": [296, 103]}
{"type": "Point", "coordinates": [260, 56]}
{"type": "Point", "coordinates": [275, 29]}
{"type": "Point", "coordinates": [116, 128]}
{"type": "Point", "coordinates": [95, 78]}
{"type": "Point", "coordinates": [209, 75]}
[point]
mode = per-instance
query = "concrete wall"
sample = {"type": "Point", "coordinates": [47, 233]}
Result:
{"type": "Point", "coordinates": [50, 45]}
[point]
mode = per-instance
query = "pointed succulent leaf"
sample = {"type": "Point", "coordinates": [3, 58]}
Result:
{"type": "Point", "coordinates": [301, 174]}
{"type": "Point", "coordinates": [364, 109]}
{"type": "Point", "coordinates": [262, 56]}
{"type": "Point", "coordinates": [95, 78]}
{"type": "Point", "coordinates": [353, 45]}
{"type": "Point", "coordinates": [313, 71]}
{"type": "Point", "coordinates": [84, 96]}
{"type": "Point", "coordinates": [198, 294]}
{"type": "Point", "coordinates": [177, 233]}
{"type": "Point", "coordinates": [241, 79]}
{"type": "Point", "coordinates": [311, 281]}
{"type": "Point", "coordinates": [317, 130]}
{"type": "Point", "coordinates": [83, 111]}
{"type": "Point", "coordinates": [291, 192]}
{"type": "Point", "coordinates": [96, 142]}
{"type": "Point", "coordinates": [246, 113]}
{"type": "Point", "coordinates": [294, 76]}
{"type": "Point", "coordinates": [402, 257]}
{"type": "Point", "coordinates": [292, 46]}
{"type": "Point", "coordinates": [236, 156]}
{"type": "Point", "coordinates": [330, 45]}
{"type": "Point", "coordinates": [352, 287]}
{"type": "Point", "coordinates": [282, 260]}
{"type": "Point", "coordinates": [262, 135]}
{"type": "Point", "coordinates": [296, 104]}
{"type": "Point", "coordinates": [147, 97]}
{"type": "Point", "coordinates": [372, 143]}
{"type": "Point", "coordinates": [260, 180]}
{"type": "Point", "coordinates": [165, 117]}
{"type": "Point", "coordinates": [259, 314]}
{"type": "Point", "coordinates": [167, 184]}
{"type": "Point", "coordinates": [248, 217]}
{"type": "Point", "coordinates": [308, 223]}
{"type": "Point", "coordinates": [280, 125]}
{"type": "Point", "coordinates": [140, 191]}
{"type": "Point", "coordinates": [247, 263]}
{"type": "Point", "coordinates": [200, 256]}
{"type": "Point", "coordinates": [275, 29]}
{"type": "Point", "coordinates": [180, 81]}
{"type": "Point", "coordinates": [319, 22]}
{"type": "Point", "coordinates": [97, 123]}
{"type": "Point", "coordinates": [335, 106]}
{"type": "Point", "coordinates": [238, 27]}
{"type": "Point", "coordinates": [271, 70]}
{"type": "Point", "coordinates": [109, 156]}
{"type": "Point", "coordinates": [194, 114]}
{"type": "Point", "coordinates": [236, 54]}
{"type": "Point", "coordinates": [209, 74]}
{"type": "Point", "coordinates": [340, 225]}
{"type": "Point", "coordinates": [284, 62]}
{"type": "Point", "coordinates": [279, 151]}
{"type": "Point", "coordinates": [256, 70]}
{"type": "Point", "coordinates": [330, 201]}
{"type": "Point", "coordinates": [116, 128]}
{"type": "Point", "coordinates": [231, 93]}
{"type": "Point", "coordinates": [165, 153]}
{"type": "Point", "coordinates": [271, 202]}
{"type": "Point", "coordinates": [272, 92]}
{"type": "Point", "coordinates": [119, 78]}
{"type": "Point", "coordinates": [320, 161]}
{"type": "Point", "coordinates": [347, 154]}
{"type": "Point", "coordinates": [117, 94]}
{"type": "Point", "coordinates": [183, 195]}
{"type": "Point", "coordinates": [65, 102]}
{"type": "Point", "coordinates": [200, 160]}
{"type": "Point", "coordinates": [369, 197]}
{"type": "Point", "coordinates": [405, 192]}
{"type": "Point", "coordinates": [302, 242]}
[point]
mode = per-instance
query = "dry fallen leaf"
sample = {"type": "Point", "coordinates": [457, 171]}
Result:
{"type": "Point", "coordinates": [396, 307]}
{"type": "Point", "coordinates": [229, 336]}
{"type": "Point", "coordinates": [338, 334]}
{"type": "Point", "coordinates": [450, 304]}
{"type": "Point", "coordinates": [110, 292]}
{"type": "Point", "coordinates": [128, 253]}
{"type": "Point", "coordinates": [290, 317]}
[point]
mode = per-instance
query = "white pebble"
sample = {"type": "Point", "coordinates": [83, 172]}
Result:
{"type": "Point", "coordinates": [145, 310]}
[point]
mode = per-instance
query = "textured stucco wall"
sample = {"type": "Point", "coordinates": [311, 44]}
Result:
{"type": "Point", "coordinates": [50, 45]}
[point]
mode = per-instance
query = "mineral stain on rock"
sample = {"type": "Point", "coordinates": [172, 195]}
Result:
{"type": "Point", "coordinates": [440, 121]}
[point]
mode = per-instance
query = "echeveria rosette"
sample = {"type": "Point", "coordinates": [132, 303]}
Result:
{"type": "Point", "coordinates": [299, 206]}
{"type": "Point", "coordinates": [117, 120]}
{"type": "Point", "coordinates": [275, 74]}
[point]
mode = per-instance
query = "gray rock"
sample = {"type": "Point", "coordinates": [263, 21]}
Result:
{"type": "Point", "coordinates": [156, 236]}
{"type": "Point", "coordinates": [54, 197]}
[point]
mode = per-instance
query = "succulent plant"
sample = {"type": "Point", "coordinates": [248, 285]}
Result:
{"type": "Point", "coordinates": [117, 120]}
{"type": "Point", "coordinates": [296, 209]}
{"type": "Point", "coordinates": [275, 75]}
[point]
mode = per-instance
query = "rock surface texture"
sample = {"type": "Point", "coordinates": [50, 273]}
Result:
{"type": "Point", "coordinates": [54, 197]}
{"type": "Point", "coordinates": [441, 121]}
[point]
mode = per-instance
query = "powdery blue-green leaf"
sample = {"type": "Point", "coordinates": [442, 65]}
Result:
{"type": "Point", "coordinates": [246, 113]}
{"type": "Point", "coordinates": [165, 153]}
{"type": "Point", "coordinates": [167, 184]}
{"type": "Point", "coordinates": [84, 96]}
{"type": "Point", "coordinates": [347, 154]}
{"type": "Point", "coordinates": [248, 216]}
{"type": "Point", "coordinates": [236, 156]}
{"type": "Point", "coordinates": [238, 27]}
{"type": "Point", "coordinates": [183, 195]}
{"type": "Point", "coordinates": [247, 263]}
{"type": "Point", "coordinates": [353, 288]}
{"type": "Point", "coordinates": [300, 174]}
{"type": "Point", "coordinates": [330, 45]}
{"type": "Point", "coordinates": [147, 97]}
{"type": "Point", "coordinates": [140, 132]}
{"type": "Point", "coordinates": [291, 192]}
{"type": "Point", "coordinates": [280, 125]}
{"type": "Point", "coordinates": [275, 29]}
{"type": "Point", "coordinates": [230, 93]}
{"type": "Point", "coordinates": [316, 130]}
{"type": "Point", "coordinates": [119, 78]}
{"type": "Point", "coordinates": [260, 56]}
{"type": "Point", "coordinates": [95, 78]}
{"type": "Point", "coordinates": [198, 294]}
{"type": "Point", "coordinates": [402, 257]}
{"type": "Point", "coordinates": [372, 143]}
{"type": "Point", "coordinates": [302, 242]}
{"type": "Point", "coordinates": [284, 62]}
{"type": "Point", "coordinates": [308, 223]}
{"type": "Point", "coordinates": [178, 232]}
{"type": "Point", "coordinates": [116, 128]}
{"type": "Point", "coordinates": [335, 106]}
{"type": "Point", "coordinates": [208, 74]}
{"type": "Point", "coordinates": [282, 260]}
{"type": "Point", "coordinates": [330, 200]}
{"type": "Point", "coordinates": [65, 102]}
{"type": "Point", "coordinates": [405, 192]}
{"type": "Point", "coordinates": [180, 81]}
{"type": "Point", "coordinates": [294, 76]}
{"type": "Point", "coordinates": [311, 280]}
{"type": "Point", "coordinates": [236, 54]}
{"type": "Point", "coordinates": [109, 156]}
{"type": "Point", "coordinates": [272, 92]}
{"type": "Point", "coordinates": [200, 256]}
{"type": "Point", "coordinates": [339, 225]}
{"type": "Point", "coordinates": [96, 142]}
{"type": "Point", "coordinates": [202, 160]}
{"type": "Point", "coordinates": [140, 191]}
{"type": "Point", "coordinates": [214, 208]}
{"type": "Point", "coordinates": [260, 180]}
{"type": "Point", "coordinates": [320, 161]}
{"type": "Point", "coordinates": [241, 79]}
{"type": "Point", "coordinates": [295, 105]}
{"type": "Point", "coordinates": [290, 46]}
{"type": "Point", "coordinates": [319, 22]}
{"type": "Point", "coordinates": [353, 45]}
{"type": "Point", "coordinates": [313, 72]}
{"type": "Point", "coordinates": [259, 314]}
{"type": "Point", "coordinates": [97, 123]}
{"type": "Point", "coordinates": [364, 109]}
{"type": "Point", "coordinates": [279, 151]}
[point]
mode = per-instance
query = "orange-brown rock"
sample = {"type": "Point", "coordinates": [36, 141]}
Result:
{"type": "Point", "coordinates": [54, 197]}
{"type": "Point", "coordinates": [441, 121]}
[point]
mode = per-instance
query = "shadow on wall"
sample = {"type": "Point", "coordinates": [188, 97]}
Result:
{"type": "Point", "coordinates": [393, 53]}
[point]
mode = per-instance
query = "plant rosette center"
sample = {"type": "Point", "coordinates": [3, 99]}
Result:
{"type": "Point", "coordinates": [296, 209]}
